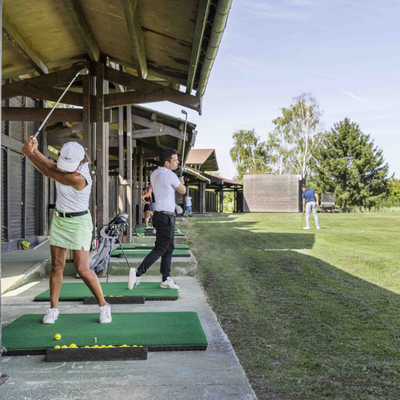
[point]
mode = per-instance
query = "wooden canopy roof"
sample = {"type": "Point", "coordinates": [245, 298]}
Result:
{"type": "Point", "coordinates": [157, 40]}
{"type": "Point", "coordinates": [206, 159]}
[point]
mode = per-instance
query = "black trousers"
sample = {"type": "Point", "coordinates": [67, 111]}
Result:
{"type": "Point", "coordinates": [165, 226]}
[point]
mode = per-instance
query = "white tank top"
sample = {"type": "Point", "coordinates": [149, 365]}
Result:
{"type": "Point", "coordinates": [72, 200]}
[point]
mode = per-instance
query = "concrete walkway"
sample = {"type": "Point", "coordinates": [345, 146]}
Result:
{"type": "Point", "coordinates": [215, 374]}
{"type": "Point", "coordinates": [20, 266]}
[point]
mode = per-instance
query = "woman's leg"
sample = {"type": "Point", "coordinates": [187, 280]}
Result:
{"type": "Point", "coordinates": [151, 218]}
{"type": "Point", "coordinates": [81, 261]}
{"type": "Point", "coordinates": [147, 218]}
{"type": "Point", "coordinates": [58, 256]}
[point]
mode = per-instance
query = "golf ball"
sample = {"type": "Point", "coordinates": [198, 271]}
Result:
{"type": "Point", "coordinates": [57, 336]}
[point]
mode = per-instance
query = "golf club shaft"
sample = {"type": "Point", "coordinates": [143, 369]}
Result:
{"type": "Point", "coordinates": [184, 141]}
{"type": "Point", "coordinates": [55, 105]}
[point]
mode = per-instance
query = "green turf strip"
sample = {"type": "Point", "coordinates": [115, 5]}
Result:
{"type": "Point", "coordinates": [144, 253]}
{"type": "Point", "coordinates": [78, 290]}
{"type": "Point", "coordinates": [150, 246]}
{"type": "Point", "coordinates": [151, 329]}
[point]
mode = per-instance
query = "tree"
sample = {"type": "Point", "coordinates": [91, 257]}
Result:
{"type": "Point", "coordinates": [296, 136]}
{"type": "Point", "coordinates": [348, 164]}
{"type": "Point", "coordinates": [394, 189]}
{"type": "Point", "coordinates": [249, 154]}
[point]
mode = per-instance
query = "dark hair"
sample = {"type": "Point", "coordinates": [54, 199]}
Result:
{"type": "Point", "coordinates": [304, 187]}
{"type": "Point", "coordinates": [166, 155]}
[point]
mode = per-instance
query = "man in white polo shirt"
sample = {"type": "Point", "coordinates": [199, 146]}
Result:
{"type": "Point", "coordinates": [164, 183]}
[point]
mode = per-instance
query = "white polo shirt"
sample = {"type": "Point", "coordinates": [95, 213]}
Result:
{"type": "Point", "coordinates": [164, 182]}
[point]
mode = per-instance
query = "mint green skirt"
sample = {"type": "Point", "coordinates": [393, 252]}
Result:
{"type": "Point", "coordinates": [71, 233]}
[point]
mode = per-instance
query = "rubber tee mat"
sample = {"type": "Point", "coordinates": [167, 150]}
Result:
{"type": "Point", "coordinates": [78, 291]}
{"type": "Point", "coordinates": [158, 331]}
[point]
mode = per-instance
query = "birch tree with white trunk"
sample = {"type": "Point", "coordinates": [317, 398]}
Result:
{"type": "Point", "coordinates": [298, 132]}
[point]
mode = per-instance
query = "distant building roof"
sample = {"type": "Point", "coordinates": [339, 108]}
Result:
{"type": "Point", "coordinates": [205, 158]}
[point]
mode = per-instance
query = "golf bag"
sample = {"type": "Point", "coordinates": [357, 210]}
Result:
{"type": "Point", "coordinates": [108, 240]}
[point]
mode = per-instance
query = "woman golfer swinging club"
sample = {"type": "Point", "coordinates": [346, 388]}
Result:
{"type": "Point", "coordinates": [71, 227]}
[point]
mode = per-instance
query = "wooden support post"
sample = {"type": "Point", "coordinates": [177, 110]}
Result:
{"type": "Point", "coordinates": [101, 151]}
{"type": "Point", "coordinates": [88, 137]}
{"type": "Point", "coordinates": [43, 183]}
{"type": "Point", "coordinates": [202, 189]}
{"type": "Point", "coordinates": [121, 173]}
{"type": "Point", "coordinates": [134, 186]}
{"type": "Point", "coordinates": [140, 186]}
{"type": "Point", "coordinates": [129, 171]}
{"type": "Point", "coordinates": [146, 175]}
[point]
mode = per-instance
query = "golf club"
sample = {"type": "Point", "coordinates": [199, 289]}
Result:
{"type": "Point", "coordinates": [83, 71]}
{"type": "Point", "coordinates": [302, 220]}
{"type": "Point", "coordinates": [184, 140]}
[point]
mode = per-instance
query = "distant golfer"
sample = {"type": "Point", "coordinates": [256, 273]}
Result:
{"type": "Point", "coordinates": [310, 205]}
{"type": "Point", "coordinates": [164, 183]}
{"type": "Point", "coordinates": [71, 227]}
{"type": "Point", "coordinates": [188, 204]}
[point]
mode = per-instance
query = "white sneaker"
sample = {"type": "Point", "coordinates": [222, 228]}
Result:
{"type": "Point", "coordinates": [105, 314]}
{"type": "Point", "coordinates": [154, 231]}
{"type": "Point", "coordinates": [149, 227]}
{"type": "Point", "coordinates": [138, 279]}
{"type": "Point", "coordinates": [132, 278]}
{"type": "Point", "coordinates": [51, 316]}
{"type": "Point", "coordinates": [318, 227]}
{"type": "Point", "coordinates": [306, 227]}
{"type": "Point", "coordinates": [169, 284]}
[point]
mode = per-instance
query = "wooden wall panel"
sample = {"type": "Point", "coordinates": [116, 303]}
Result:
{"type": "Point", "coordinates": [271, 193]}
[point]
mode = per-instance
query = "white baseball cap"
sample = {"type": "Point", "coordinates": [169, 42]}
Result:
{"type": "Point", "coordinates": [71, 154]}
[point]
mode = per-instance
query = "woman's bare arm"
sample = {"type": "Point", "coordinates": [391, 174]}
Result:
{"type": "Point", "coordinates": [49, 168]}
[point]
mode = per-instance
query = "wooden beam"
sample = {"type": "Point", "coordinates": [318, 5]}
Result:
{"type": "Point", "coordinates": [66, 131]}
{"type": "Point", "coordinates": [39, 114]}
{"type": "Point", "coordinates": [101, 150]}
{"type": "Point", "coordinates": [61, 141]}
{"type": "Point", "coordinates": [134, 24]}
{"type": "Point", "coordinates": [157, 138]}
{"type": "Point", "coordinates": [10, 143]}
{"type": "Point", "coordinates": [204, 6]}
{"type": "Point", "coordinates": [28, 90]}
{"type": "Point", "coordinates": [82, 26]}
{"type": "Point", "coordinates": [134, 97]}
{"type": "Point", "coordinates": [156, 127]}
{"type": "Point", "coordinates": [121, 161]}
{"type": "Point", "coordinates": [129, 160]}
{"type": "Point", "coordinates": [22, 47]}
{"type": "Point", "coordinates": [150, 90]}
{"type": "Point", "coordinates": [45, 81]}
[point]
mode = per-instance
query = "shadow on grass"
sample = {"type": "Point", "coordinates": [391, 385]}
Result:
{"type": "Point", "coordinates": [302, 328]}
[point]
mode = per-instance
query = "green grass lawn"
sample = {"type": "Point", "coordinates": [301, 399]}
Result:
{"type": "Point", "coordinates": [311, 314]}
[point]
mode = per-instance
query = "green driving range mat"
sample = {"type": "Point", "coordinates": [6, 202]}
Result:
{"type": "Point", "coordinates": [77, 291]}
{"type": "Point", "coordinates": [150, 246]}
{"type": "Point", "coordinates": [149, 232]}
{"type": "Point", "coordinates": [159, 331]}
{"type": "Point", "coordinates": [144, 253]}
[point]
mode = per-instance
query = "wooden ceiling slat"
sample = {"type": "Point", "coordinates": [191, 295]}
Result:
{"type": "Point", "coordinates": [204, 6]}
{"type": "Point", "coordinates": [83, 28]}
{"type": "Point", "coordinates": [22, 48]}
{"type": "Point", "coordinates": [132, 15]}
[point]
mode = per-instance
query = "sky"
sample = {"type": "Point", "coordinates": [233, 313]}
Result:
{"type": "Point", "coordinates": [346, 53]}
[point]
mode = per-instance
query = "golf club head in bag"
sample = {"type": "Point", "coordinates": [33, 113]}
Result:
{"type": "Point", "coordinates": [105, 243]}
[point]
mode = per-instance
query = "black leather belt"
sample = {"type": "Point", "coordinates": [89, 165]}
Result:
{"type": "Point", "coordinates": [69, 215]}
{"type": "Point", "coordinates": [166, 212]}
